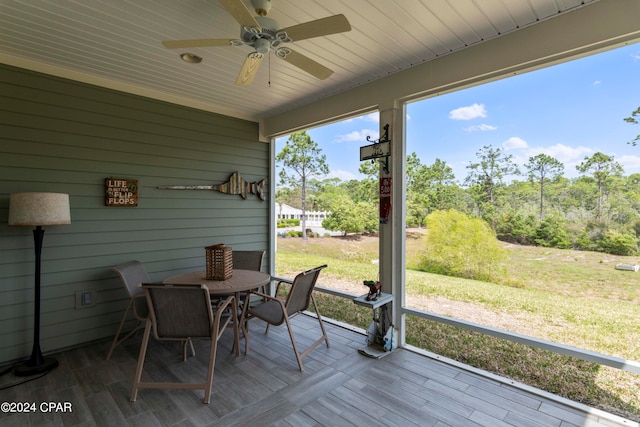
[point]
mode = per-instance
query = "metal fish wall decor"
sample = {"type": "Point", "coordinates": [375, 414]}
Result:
{"type": "Point", "coordinates": [235, 185]}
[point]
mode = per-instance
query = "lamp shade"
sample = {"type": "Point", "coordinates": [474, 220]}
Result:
{"type": "Point", "coordinates": [33, 209]}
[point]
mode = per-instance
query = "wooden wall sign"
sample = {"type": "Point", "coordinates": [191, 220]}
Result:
{"type": "Point", "coordinates": [235, 185]}
{"type": "Point", "coordinates": [121, 192]}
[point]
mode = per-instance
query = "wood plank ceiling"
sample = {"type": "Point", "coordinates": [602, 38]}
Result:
{"type": "Point", "coordinates": [117, 43]}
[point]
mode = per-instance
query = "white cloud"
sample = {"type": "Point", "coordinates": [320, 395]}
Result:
{"type": "Point", "coordinates": [514, 143]}
{"type": "Point", "coordinates": [467, 113]}
{"type": "Point", "coordinates": [597, 82]}
{"type": "Point", "coordinates": [570, 157]}
{"type": "Point", "coordinates": [356, 135]}
{"type": "Point", "coordinates": [630, 164]}
{"type": "Point", "coordinates": [563, 153]}
{"type": "Point", "coordinates": [481, 128]}
{"type": "Point", "coordinates": [342, 175]}
{"type": "Point", "coordinates": [636, 56]}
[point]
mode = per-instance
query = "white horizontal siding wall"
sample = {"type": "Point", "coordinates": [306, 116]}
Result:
{"type": "Point", "coordinates": [61, 136]}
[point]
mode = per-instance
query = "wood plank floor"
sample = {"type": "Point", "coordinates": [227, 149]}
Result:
{"type": "Point", "coordinates": [339, 387]}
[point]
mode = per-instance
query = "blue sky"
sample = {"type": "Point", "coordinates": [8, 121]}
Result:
{"type": "Point", "coordinates": [567, 111]}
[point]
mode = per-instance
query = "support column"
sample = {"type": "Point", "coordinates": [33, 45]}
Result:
{"type": "Point", "coordinates": [273, 229]}
{"type": "Point", "coordinates": [393, 233]}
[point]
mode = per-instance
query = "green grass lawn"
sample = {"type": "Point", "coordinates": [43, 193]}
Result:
{"type": "Point", "coordinates": [575, 298]}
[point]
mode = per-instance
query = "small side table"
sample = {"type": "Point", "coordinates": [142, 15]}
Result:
{"type": "Point", "coordinates": [379, 326]}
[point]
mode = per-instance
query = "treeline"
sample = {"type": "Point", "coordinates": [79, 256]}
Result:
{"type": "Point", "coordinates": [598, 211]}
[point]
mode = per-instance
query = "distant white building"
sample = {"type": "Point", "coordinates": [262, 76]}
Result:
{"type": "Point", "coordinates": [314, 218]}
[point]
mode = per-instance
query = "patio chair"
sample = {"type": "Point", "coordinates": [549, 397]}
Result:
{"type": "Point", "coordinates": [275, 312]}
{"type": "Point", "coordinates": [132, 274]}
{"type": "Point", "coordinates": [247, 260]}
{"type": "Point", "coordinates": [178, 313]}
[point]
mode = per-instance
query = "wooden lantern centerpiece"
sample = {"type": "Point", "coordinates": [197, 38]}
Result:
{"type": "Point", "coordinates": [219, 262]}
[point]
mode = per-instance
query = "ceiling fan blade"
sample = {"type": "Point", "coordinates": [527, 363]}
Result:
{"type": "Point", "coordinates": [307, 64]}
{"type": "Point", "coordinates": [320, 27]}
{"type": "Point", "coordinates": [240, 13]}
{"type": "Point", "coordinates": [249, 69]}
{"type": "Point", "coordinates": [174, 44]}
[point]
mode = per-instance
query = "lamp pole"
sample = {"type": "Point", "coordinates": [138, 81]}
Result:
{"type": "Point", "coordinates": [37, 364]}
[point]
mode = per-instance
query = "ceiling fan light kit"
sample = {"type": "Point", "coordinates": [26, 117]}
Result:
{"type": "Point", "coordinates": [190, 58]}
{"type": "Point", "coordinates": [262, 7]}
{"type": "Point", "coordinates": [263, 34]}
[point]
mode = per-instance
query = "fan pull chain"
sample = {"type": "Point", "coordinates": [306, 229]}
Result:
{"type": "Point", "coordinates": [269, 59]}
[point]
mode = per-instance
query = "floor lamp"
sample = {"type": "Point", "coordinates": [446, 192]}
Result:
{"type": "Point", "coordinates": [38, 209]}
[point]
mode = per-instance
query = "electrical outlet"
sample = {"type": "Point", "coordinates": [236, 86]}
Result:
{"type": "Point", "coordinates": [85, 299]}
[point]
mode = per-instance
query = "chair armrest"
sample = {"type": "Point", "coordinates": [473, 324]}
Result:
{"type": "Point", "coordinates": [261, 295]}
{"type": "Point", "coordinates": [266, 297]}
{"type": "Point", "coordinates": [281, 280]}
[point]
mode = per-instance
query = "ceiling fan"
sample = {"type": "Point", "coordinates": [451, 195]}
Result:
{"type": "Point", "coordinates": [264, 34]}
